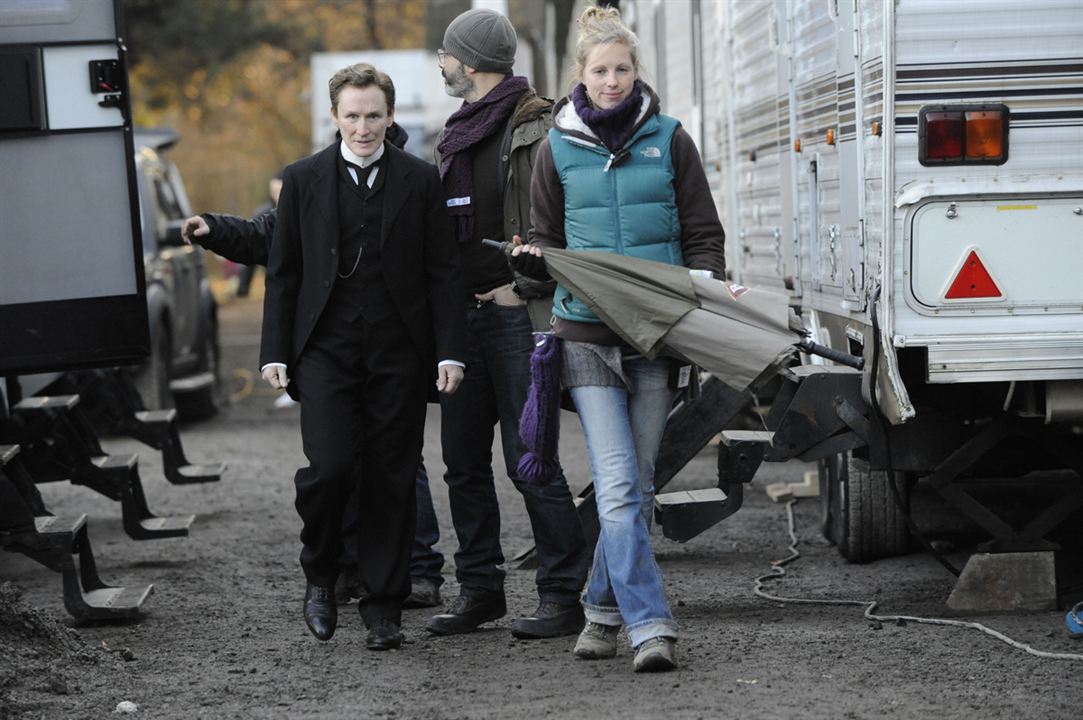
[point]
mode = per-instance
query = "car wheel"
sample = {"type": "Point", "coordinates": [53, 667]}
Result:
{"type": "Point", "coordinates": [152, 380]}
{"type": "Point", "coordinates": [205, 402]}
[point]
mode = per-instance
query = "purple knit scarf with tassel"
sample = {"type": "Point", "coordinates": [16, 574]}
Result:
{"type": "Point", "coordinates": [539, 426]}
{"type": "Point", "coordinates": [467, 126]}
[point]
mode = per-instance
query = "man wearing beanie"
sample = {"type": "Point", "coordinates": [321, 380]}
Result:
{"type": "Point", "coordinates": [486, 157]}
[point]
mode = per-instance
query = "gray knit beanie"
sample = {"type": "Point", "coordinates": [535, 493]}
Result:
{"type": "Point", "coordinates": [482, 39]}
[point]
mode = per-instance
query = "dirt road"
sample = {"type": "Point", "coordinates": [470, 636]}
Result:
{"type": "Point", "coordinates": [223, 635]}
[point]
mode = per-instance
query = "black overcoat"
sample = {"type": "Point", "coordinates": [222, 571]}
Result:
{"type": "Point", "coordinates": [419, 258]}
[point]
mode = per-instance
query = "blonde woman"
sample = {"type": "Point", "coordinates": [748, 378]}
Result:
{"type": "Point", "coordinates": [615, 175]}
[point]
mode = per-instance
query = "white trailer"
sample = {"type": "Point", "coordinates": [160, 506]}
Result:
{"type": "Point", "coordinates": [911, 172]}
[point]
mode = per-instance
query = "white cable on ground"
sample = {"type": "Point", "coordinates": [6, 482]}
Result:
{"type": "Point", "coordinates": [777, 572]}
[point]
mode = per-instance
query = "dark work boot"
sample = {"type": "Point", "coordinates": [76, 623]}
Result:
{"type": "Point", "coordinates": [548, 621]}
{"type": "Point", "coordinates": [467, 612]}
{"type": "Point", "coordinates": [423, 593]}
{"type": "Point", "coordinates": [321, 614]}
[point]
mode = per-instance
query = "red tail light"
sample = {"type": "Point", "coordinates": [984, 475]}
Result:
{"type": "Point", "coordinates": [963, 135]}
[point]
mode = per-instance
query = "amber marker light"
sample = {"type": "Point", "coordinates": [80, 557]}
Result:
{"type": "Point", "coordinates": [985, 135]}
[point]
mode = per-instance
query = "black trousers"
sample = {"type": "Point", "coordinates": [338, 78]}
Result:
{"type": "Point", "coordinates": [363, 388]}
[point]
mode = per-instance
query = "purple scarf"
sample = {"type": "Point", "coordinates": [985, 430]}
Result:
{"type": "Point", "coordinates": [467, 126]}
{"type": "Point", "coordinates": [613, 126]}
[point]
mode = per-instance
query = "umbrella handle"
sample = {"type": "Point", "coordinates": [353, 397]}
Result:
{"type": "Point", "coordinates": [843, 358]}
{"type": "Point", "coordinates": [504, 247]}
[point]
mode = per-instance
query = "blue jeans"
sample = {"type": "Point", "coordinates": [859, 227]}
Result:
{"type": "Point", "coordinates": [425, 560]}
{"type": "Point", "coordinates": [494, 390]}
{"type": "Point", "coordinates": [624, 431]}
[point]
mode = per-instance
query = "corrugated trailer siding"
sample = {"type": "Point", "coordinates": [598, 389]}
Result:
{"type": "Point", "coordinates": [758, 170]}
{"type": "Point", "coordinates": [714, 141]}
{"type": "Point", "coordinates": [678, 98]}
{"type": "Point", "coordinates": [872, 72]}
{"type": "Point", "coordinates": [815, 62]}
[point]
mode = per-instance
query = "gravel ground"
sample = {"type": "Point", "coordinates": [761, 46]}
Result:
{"type": "Point", "coordinates": [223, 637]}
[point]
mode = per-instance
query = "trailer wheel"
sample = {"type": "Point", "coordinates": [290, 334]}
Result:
{"type": "Point", "coordinates": [865, 522]}
{"type": "Point", "coordinates": [828, 472]}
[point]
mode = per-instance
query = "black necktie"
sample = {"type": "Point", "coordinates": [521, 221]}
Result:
{"type": "Point", "coordinates": [362, 173]}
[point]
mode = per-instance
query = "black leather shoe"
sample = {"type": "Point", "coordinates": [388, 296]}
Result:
{"type": "Point", "coordinates": [321, 614]}
{"type": "Point", "coordinates": [549, 621]}
{"type": "Point", "coordinates": [467, 612]}
{"type": "Point", "coordinates": [383, 635]}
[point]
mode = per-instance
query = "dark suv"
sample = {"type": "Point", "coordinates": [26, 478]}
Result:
{"type": "Point", "coordinates": [182, 370]}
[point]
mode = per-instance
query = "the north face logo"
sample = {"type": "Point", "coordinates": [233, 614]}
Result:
{"type": "Point", "coordinates": [651, 152]}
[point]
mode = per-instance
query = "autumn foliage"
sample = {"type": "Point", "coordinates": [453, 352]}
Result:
{"type": "Point", "coordinates": [232, 76]}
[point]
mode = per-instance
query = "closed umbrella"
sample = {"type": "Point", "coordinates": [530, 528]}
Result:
{"type": "Point", "coordinates": [732, 331]}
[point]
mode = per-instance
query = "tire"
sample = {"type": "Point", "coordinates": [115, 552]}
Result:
{"type": "Point", "coordinates": [205, 402]}
{"type": "Point", "coordinates": [827, 470]}
{"type": "Point", "coordinates": [152, 380]}
{"type": "Point", "coordinates": [867, 522]}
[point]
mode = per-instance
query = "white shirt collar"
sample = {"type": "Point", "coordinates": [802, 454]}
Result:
{"type": "Point", "coordinates": [357, 159]}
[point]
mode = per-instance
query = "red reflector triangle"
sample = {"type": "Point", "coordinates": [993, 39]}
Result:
{"type": "Point", "coordinates": [972, 281]}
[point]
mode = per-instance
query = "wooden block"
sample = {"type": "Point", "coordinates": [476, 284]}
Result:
{"type": "Point", "coordinates": [779, 492]}
{"type": "Point", "coordinates": [809, 487]}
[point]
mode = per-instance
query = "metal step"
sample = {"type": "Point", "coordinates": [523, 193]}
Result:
{"type": "Point", "coordinates": [740, 455]}
{"type": "Point", "coordinates": [45, 402]}
{"type": "Point", "coordinates": [685, 514]}
{"type": "Point", "coordinates": [188, 474]}
{"type": "Point", "coordinates": [62, 544]}
{"type": "Point", "coordinates": [732, 437]}
{"type": "Point", "coordinates": [121, 473]}
{"type": "Point", "coordinates": [157, 418]}
{"type": "Point", "coordinates": [158, 428]}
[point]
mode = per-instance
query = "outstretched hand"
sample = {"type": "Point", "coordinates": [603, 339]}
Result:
{"type": "Point", "coordinates": [194, 226]}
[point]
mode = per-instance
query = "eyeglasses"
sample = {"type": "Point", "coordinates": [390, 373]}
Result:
{"type": "Point", "coordinates": [441, 57]}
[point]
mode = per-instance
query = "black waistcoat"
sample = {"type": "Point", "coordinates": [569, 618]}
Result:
{"type": "Point", "coordinates": [360, 290]}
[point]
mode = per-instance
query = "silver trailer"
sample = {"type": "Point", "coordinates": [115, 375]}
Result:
{"type": "Point", "coordinates": [911, 173]}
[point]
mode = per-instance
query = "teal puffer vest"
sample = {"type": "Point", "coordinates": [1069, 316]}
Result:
{"type": "Point", "coordinates": [622, 203]}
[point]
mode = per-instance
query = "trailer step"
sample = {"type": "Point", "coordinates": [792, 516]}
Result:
{"type": "Point", "coordinates": [733, 437]}
{"type": "Point", "coordinates": [62, 544]}
{"type": "Point", "coordinates": [685, 514]}
{"type": "Point", "coordinates": [121, 482]}
{"type": "Point", "coordinates": [43, 403]}
{"type": "Point", "coordinates": [158, 428]}
{"type": "Point", "coordinates": [189, 474]}
{"type": "Point", "coordinates": [740, 455]}
{"type": "Point", "coordinates": [157, 419]}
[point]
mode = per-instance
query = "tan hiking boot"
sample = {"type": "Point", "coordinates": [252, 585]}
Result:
{"type": "Point", "coordinates": [597, 641]}
{"type": "Point", "coordinates": [658, 654]}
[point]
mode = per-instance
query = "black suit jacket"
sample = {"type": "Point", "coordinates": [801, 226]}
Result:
{"type": "Point", "coordinates": [419, 258]}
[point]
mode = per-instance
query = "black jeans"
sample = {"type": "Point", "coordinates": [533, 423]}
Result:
{"type": "Point", "coordinates": [494, 390]}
